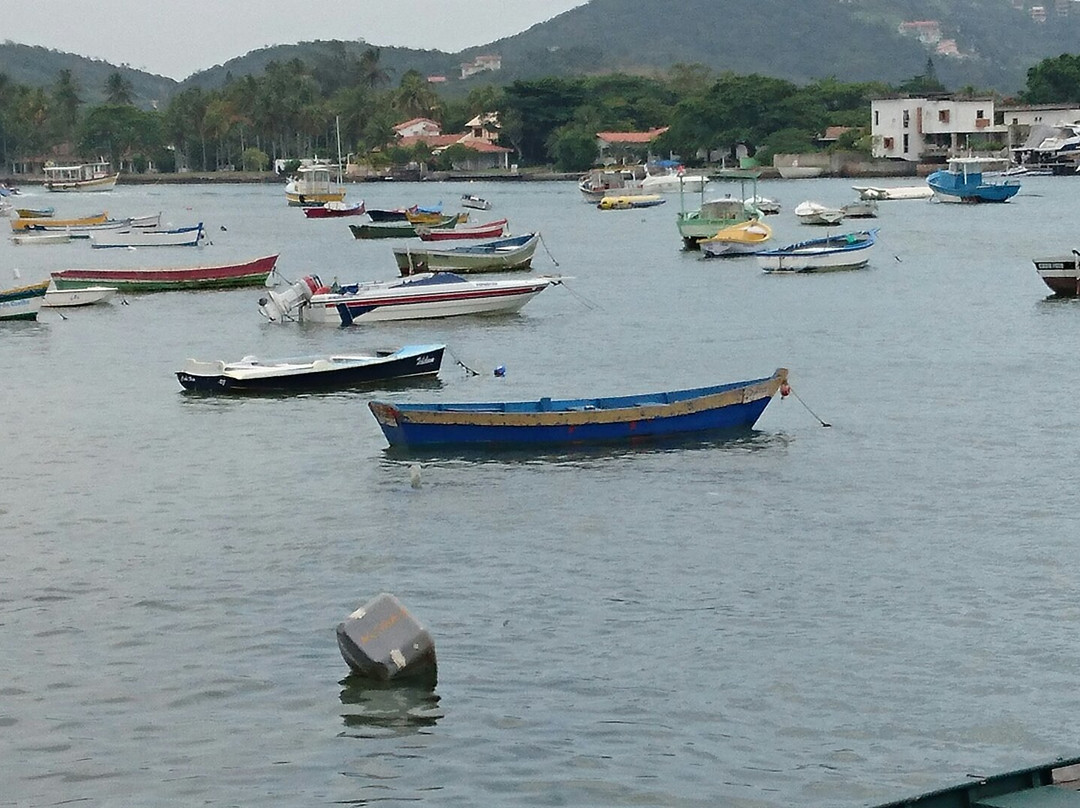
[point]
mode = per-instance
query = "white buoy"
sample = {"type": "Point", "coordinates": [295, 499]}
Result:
{"type": "Point", "coordinates": [414, 475]}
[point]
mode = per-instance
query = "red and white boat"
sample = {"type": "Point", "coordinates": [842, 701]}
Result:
{"type": "Point", "coordinates": [432, 294]}
{"type": "Point", "coordinates": [332, 210]}
{"type": "Point", "coordinates": [487, 230]}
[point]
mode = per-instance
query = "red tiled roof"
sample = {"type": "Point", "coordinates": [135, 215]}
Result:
{"type": "Point", "coordinates": [833, 132]}
{"type": "Point", "coordinates": [434, 141]}
{"type": "Point", "coordinates": [442, 141]}
{"type": "Point", "coordinates": [409, 123]}
{"type": "Point", "coordinates": [632, 137]}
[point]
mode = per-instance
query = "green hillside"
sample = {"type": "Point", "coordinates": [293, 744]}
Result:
{"type": "Point", "coordinates": [35, 66]}
{"type": "Point", "coordinates": [798, 40]}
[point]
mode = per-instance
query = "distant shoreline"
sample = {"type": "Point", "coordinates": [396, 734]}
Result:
{"type": "Point", "coordinates": [270, 178]}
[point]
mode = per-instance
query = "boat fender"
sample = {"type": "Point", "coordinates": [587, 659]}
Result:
{"type": "Point", "coordinates": [322, 290]}
{"type": "Point", "coordinates": [785, 389]}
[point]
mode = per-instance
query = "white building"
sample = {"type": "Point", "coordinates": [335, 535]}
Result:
{"type": "Point", "coordinates": [926, 129]}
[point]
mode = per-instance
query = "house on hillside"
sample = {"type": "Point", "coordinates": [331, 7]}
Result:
{"type": "Point", "coordinates": [417, 127]}
{"type": "Point", "coordinates": [481, 64]}
{"type": "Point", "coordinates": [480, 138]}
{"type": "Point", "coordinates": [626, 147]}
{"type": "Point", "coordinates": [922, 130]}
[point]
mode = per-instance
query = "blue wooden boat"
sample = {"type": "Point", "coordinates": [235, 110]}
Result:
{"type": "Point", "coordinates": [963, 181]}
{"type": "Point", "coordinates": [546, 422]}
{"type": "Point", "coordinates": [1050, 785]}
{"type": "Point", "coordinates": [829, 254]}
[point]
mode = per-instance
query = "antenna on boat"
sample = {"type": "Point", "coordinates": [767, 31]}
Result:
{"type": "Point", "coordinates": [337, 131]}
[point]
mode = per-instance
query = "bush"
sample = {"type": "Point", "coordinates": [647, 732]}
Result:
{"type": "Point", "coordinates": [254, 160]}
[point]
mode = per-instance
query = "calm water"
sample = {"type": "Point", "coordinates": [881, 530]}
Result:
{"type": "Point", "coordinates": [806, 616]}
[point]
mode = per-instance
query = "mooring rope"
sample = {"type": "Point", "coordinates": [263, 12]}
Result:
{"type": "Point", "coordinates": [552, 257]}
{"type": "Point", "coordinates": [462, 364]}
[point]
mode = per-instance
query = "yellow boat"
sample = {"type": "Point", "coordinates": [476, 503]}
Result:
{"type": "Point", "coordinates": [629, 201]}
{"type": "Point", "coordinates": [744, 238]}
{"type": "Point", "coordinates": [25, 223]}
{"type": "Point", "coordinates": [425, 217]}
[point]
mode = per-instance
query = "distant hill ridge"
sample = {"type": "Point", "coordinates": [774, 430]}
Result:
{"type": "Point", "coordinates": [996, 42]}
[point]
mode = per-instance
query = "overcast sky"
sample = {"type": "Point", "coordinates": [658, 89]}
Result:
{"type": "Point", "coordinates": [177, 39]}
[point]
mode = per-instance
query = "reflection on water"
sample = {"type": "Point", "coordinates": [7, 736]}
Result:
{"type": "Point", "coordinates": [365, 389]}
{"type": "Point", "coordinates": [388, 709]}
{"type": "Point", "coordinates": [741, 441]}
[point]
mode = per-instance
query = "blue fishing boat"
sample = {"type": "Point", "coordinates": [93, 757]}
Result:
{"type": "Point", "coordinates": [22, 302]}
{"type": "Point", "coordinates": [1050, 785]}
{"type": "Point", "coordinates": [547, 422]}
{"type": "Point", "coordinates": [963, 181]}
{"type": "Point", "coordinates": [829, 254]}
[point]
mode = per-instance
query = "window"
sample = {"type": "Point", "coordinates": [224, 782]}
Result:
{"type": "Point", "coordinates": [890, 144]}
{"type": "Point", "coordinates": [979, 113]}
{"type": "Point", "coordinates": [906, 147]}
{"type": "Point", "coordinates": [943, 116]}
{"type": "Point", "coordinates": [877, 117]}
{"type": "Point", "coordinates": [907, 119]}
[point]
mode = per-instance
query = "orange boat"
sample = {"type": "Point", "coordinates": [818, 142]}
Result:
{"type": "Point", "coordinates": [26, 222]}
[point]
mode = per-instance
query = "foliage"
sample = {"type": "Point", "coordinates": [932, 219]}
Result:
{"type": "Point", "coordinates": [573, 148]}
{"type": "Point", "coordinates": [785, 141]}
{"type": "Point", "coordinates": [253, 159]}
{"type": "Point", "coordinates": [1054, 81]}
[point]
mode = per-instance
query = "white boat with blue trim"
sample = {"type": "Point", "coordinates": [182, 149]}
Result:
{"type": "Point", "coordinates": [429, 294]}
{"type": "Point", "coordinates": [829, 254]}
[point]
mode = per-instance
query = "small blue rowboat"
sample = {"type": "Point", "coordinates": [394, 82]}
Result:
{"type": "Point", "coordinates": [736, 405]}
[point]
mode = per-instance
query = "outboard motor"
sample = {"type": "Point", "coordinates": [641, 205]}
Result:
{"type": "Point", "coordinates": [276, 306]}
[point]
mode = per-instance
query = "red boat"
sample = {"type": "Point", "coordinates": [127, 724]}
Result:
{"type": "Point", "coordinates": [162, 279]}
{"type": "Point", "coordinates": [489, 230]}
{"type": "Point", "coordinates": [331, 210]}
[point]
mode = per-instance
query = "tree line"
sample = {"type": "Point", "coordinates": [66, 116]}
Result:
{"type": "Point", "coordinates": [297, 109]}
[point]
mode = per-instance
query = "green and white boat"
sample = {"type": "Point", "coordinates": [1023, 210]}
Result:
{"type": "Point", "coordinates": [716, 214]}
{"type": "Point", "coordinates": [501, 255]}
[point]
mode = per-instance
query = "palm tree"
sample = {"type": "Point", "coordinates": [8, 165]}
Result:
{"type": "Point", "coordinates": [372, 75]}
{"type": "Point", "coordinates": [118, 90]}
{"type": "Point", "coordinates": [66, 102]}
{"type": "Point", "coordinates": [415, 97]}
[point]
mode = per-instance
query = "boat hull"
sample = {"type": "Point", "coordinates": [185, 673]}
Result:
{"type": "Point", "coordinates": [163, 279]}
{"type": "Point", "coordinates": [486, 230]}
{"type": "Point", "coordinates": [42, 223]}
{"type": "Point", "coordinates": [477, 259]}
{"type": "Point", "coordinates": [494, 300]}
{"type": "Point", "coordinates": [1061, 274]}
{"type": "Point", "coordinates": [70, 298]}
{"type": "Point", "coordinates": [23, 302]}
{"type": "Point", "coordinates": [40, 238]}
{"type": "Point", "coordinates": [178, 237]}
{"type": "Point", "coordinates": [397, 228]}
{"type": "Point", "coordinates": [837, 253]}
{"type": "Point", "coordinates": [334, 211]}
{"type": "Point", "coordinates": [98, 184]}
{"type": "Point", "coordinates": [968, 187]}
{"type": "Point", "coordinates": [317, 374]}
{"type": "Point", "coordinates": [579, 421]}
